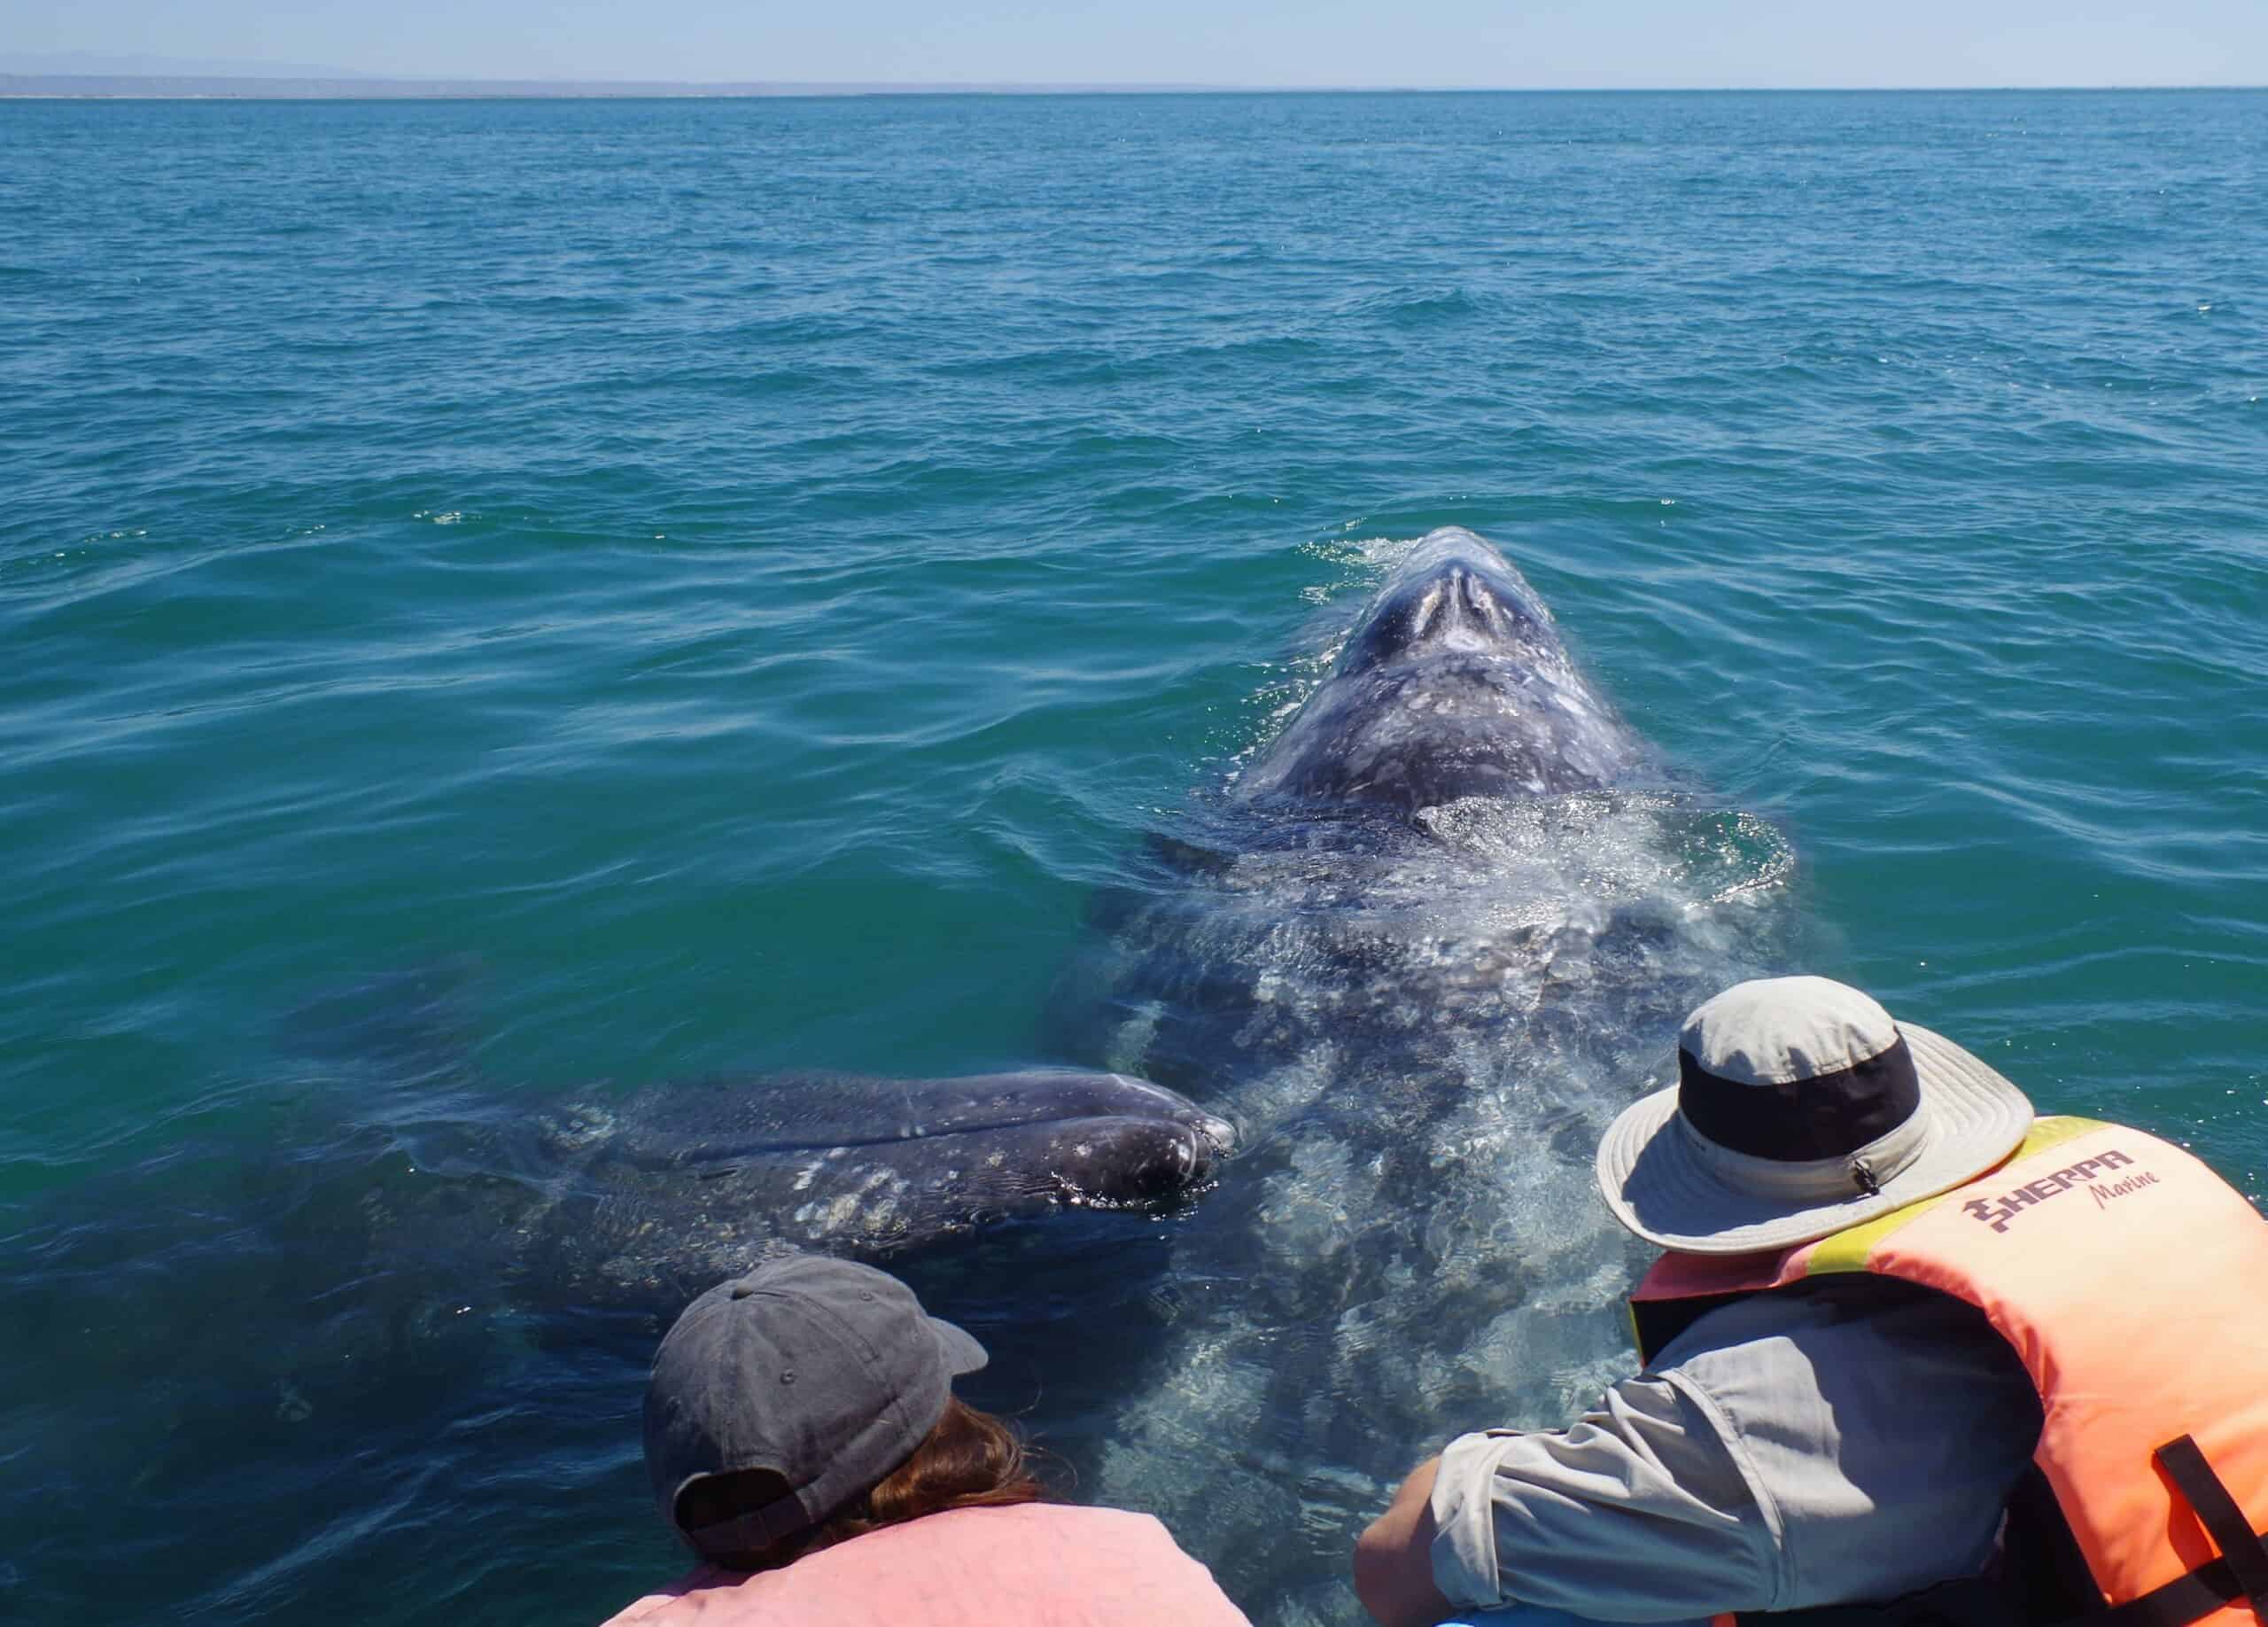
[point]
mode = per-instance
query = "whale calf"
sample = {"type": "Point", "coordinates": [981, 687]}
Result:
{"type": "Point", "coordinates": [659, 1196]}
{"type": "Point", "coordinates": [1420, 950]}
{"type": "Point", "coordinates": [649, 1198]}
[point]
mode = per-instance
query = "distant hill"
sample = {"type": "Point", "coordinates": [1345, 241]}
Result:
{"type": "Point", "coordinates": [322, 86]}
{"type": "Point", "coordinates": [87, 64]}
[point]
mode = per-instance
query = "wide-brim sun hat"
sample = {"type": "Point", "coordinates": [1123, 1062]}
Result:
{"type": "Point", "coordinates": [1801, 1108]}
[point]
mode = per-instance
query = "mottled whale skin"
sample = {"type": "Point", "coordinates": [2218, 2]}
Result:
{"type": "Point", "coordinates": [659, 1196]}
{"type": "Point", "coordinates": [647, 1198]}
{"type": "Point", "coordinates": [1415, 856]}
{"type": "Point", "coordinates": [1456, 683]}
{"type": "Point", "coordinates": [1438, 931]}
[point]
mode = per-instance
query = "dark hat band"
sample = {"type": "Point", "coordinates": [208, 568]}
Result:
{"type": "Point", "coordinates": [754, 1531]}
{"type": "Point", "coordinates": [1801, 1121]}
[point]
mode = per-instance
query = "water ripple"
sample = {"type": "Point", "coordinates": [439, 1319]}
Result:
{"type": "Point", "coordinates": [754, 577]}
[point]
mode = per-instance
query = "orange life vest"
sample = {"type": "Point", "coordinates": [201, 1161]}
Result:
{"type": "Point", "coordinates": [2132, 1282]}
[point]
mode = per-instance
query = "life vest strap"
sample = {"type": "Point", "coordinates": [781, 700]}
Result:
{"type": "Point", "coordinates": [2223, 1521]}
{"type": "Point", "coordinates": [2242, 1572]}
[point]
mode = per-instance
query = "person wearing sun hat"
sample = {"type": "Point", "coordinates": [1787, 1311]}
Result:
{"type": "Point", "coordinates": [802, 1439]}
{"type": "Point", "coordinates": [1900, 1328]}
{"type": "Point", "coordinates": [1850, 1438]}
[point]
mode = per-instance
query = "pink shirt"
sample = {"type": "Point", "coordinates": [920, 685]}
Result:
{"type": "Point", "coordinates": [1032, 1565]}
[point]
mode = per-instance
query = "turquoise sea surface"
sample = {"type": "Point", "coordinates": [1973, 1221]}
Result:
{"type": "Point", "coordinates": [502, 599]}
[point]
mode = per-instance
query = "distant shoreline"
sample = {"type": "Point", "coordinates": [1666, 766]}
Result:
{"type": "Point", "coordinates": [173, 87]}
{"type": "Point", "coordinates": [189, 88]}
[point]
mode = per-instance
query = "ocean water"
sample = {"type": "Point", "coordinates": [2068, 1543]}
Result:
{"type": "Point", "coordinates": [504, 599]}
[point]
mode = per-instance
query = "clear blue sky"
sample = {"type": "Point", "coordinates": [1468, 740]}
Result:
{"type": "Point", "coordinates": [1557, 43]}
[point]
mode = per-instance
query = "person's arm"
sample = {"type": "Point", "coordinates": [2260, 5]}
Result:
{"type": "Point", "coordinates": [1637, 1512]}
{"type": "Point", "coordinates": [1394, 1559]}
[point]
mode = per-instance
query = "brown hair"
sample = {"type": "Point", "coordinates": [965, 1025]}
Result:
{"type": "Point", "coordinates": [970, 1460]}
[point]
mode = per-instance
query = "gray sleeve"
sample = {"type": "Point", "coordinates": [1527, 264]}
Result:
{"type": "Point", "coordinates": [1640, 1512]}
{"type": "Point", "coordinates": [1888, 1424]}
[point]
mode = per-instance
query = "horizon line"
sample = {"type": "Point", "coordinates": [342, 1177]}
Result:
{"type": "Point", "coordinates": [346, 86]}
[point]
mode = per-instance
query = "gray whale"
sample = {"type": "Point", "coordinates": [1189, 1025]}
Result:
{"type": "Point", "coordinates": [649, 1199]}
{"type": "Point", "coordinates": [656, 1197]}
{"type": "Point", "coordinates": [1420, 950]}
{"type": "Point", "coordinates": [644, 1199]}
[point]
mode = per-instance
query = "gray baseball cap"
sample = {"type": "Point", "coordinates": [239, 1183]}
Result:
{"type": "Point", "coordinates": [826, 1371]}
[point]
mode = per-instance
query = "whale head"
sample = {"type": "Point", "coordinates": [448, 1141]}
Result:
{"type": "Point", "coordinates": [1454, 595]}
{"type": "Point", "coordinates": [1454, 684]}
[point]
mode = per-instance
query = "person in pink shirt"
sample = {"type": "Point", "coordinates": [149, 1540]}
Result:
{"type": "Point", "coordinates": [803, 1437]}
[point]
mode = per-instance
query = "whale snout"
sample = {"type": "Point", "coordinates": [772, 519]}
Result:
{"type": "Point", "coordinates": [1146, 1161]}
{"type": "Point", "coordinates": [1459, 608]}
{"type": "Point", "coordinates": [1218, 1132]}
{"type": "Point", "coordinates": [1454, 684]}
{"type": "Point", "coordinates": [1133, 1142]}
{"type": "Point", "coordinates": [1140, 1097]}
{"type": "Point", "coordinates": [1453, 595]}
